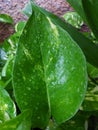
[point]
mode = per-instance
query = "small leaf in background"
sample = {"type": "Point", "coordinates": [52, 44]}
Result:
{"type": "Point", "coordinates": [91, 12]}
{"type": "Point", "coordinates": [77, 5]}
{"type": "Point", "coordinates": [78, 122]}
{"type": "Point", "coordinates": [21, 122]}
{"type": "Point", "coordinates": [6, 18]}
{"type": "Point", "coordinates": [6, 73]}
{"type": "Point", "coordinates": [92, 71]}
{"type": "Point", "coordinates": [74, 19]}
{"type": "Point", "coordinates": [7, 107]}
{"type": "Point", "coordinates": [90, 102]}
{"type": "Point", "coordinates": [7, 69]}
{"type": "Point", "coordinates": [65, 71]}
{"type": "Point", "coordinates": [27, 10]}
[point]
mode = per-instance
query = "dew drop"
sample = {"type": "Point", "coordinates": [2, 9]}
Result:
{"type": "Point", "coordinates": [38, 117]}
{"type": "Point", "coordinates": [30, 80]}
{"type": "Point", "coordinates": [36, 108]}
{"type": "Point", "coordinates": [37, 103]}
{"type": "Point", "coordinates": [29, 88]}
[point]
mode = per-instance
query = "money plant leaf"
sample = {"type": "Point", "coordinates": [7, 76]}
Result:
{"type": "Point", "coordinates": [28, 74]}
{"type": "Point", "coordinates": [84, 43]}
{"type": "Point", "coordinates": [49, 74]}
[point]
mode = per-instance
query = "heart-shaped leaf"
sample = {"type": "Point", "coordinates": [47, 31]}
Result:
{"type": "Point", "coordinates": [85, 44]}
{"type": "Point", "coordinates": [49, 71]}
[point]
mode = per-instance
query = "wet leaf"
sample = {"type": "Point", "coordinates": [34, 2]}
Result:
{"type": "Point", "coordinates": [92, 71]}
{"type": "Point", "coordinates": [7, 107]}
{"type": "Point", "coordinates": [62, 71]}
{"type": "Point", "coordinates": [49, 71]}
{"type": "Point", "coordinates": [84, 43]}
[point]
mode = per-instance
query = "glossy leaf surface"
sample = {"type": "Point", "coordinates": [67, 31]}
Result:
{"type": "Point", "coordinates": [28, 75]}
{"type": "Point", "coordinates": [49, 69]}
{"type": "Point", "coordinates": [91, 12]}
{"type": "Point", "coordinates": [7, 107]}
{"type": "Point", "coordinates": [62, 72]}
{"type": "Point", "coordinates": [19, 26]}
{"type": "Point", "coordinates": [85, 44]}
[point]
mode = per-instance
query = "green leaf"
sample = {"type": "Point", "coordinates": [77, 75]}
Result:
{"type": "Point", "coordinates": [91, 99]}
{"type": "Point", "coordinates": [6, 18]}
{"type": "Point", "coordinates": [7, 107]}
{"type": "Point", "coordinates": [49, 69]}
{"type": "Point", "coordinates": [92, 71]}
{"type": "Point", "coordinates": [78, 122]}
{"type": "Point", "coordinates": [91, 13]}
{"type": "Point", "coordinates": [19, 26]}
{"type": "Point", "coordinates": [28, 75]}
{"type": "Point", "coordinates": [21, 122]}
{"type": "Point", "coordinates": [88, 47]}
{"type": "Point", "coordinates": [77, 5]}
{"type": "Point", "coordinates": [7, 69]}
{"type": "Point", "coordinates": [74, 19]}
{"type": "Point", "coordinates": [6, 73]}
{"type": "Point", "coordinates": [62, 71]}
